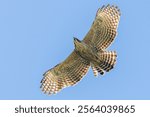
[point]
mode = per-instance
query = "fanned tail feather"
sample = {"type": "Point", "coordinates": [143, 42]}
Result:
{"type": "Point", "coordinates": [107, 62]}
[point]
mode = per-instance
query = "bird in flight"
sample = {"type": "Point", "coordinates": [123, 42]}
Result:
{"type": "Point", "coordinates": [90, 52]}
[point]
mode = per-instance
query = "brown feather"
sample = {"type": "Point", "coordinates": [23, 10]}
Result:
{"type": "Point", "coordinates": [66, 74]}
{"type": "Point", "coordinates": [104, 28]}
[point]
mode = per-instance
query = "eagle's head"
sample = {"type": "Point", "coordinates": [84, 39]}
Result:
{"type": "Point", "coordinates": [77, 43]}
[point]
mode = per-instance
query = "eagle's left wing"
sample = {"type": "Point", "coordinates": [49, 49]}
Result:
{"type": "Point", "coordinates": [65, 74]}
{"type": "Point", "coordinates": [104, 28]}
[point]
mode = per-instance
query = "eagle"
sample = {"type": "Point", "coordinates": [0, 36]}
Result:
{"type": "Point", "coordinates": [90, 52]}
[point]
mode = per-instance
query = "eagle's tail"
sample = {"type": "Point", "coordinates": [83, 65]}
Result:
{"type": "Point", "coordinates": [107, 62]}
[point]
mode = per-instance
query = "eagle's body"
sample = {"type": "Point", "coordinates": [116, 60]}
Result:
{"type": "Point", "coordinates": [85, 51]}
{"type": "Point", "coordinates": [91, 51]}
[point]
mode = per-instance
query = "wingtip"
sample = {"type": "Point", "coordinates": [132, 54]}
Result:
{"type": "Point", "coordinates": [117, 8]}
{"type": "Point", "coordinates": [104, 7]}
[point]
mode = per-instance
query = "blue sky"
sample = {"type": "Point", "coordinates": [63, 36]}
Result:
{"type": "Point", "coordinates": [36, 35]}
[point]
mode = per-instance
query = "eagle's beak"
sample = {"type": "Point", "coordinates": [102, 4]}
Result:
{"type": "Point", "coordinates": [76, 40]}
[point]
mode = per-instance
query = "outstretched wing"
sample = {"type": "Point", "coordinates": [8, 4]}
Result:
{"type": "Point", "coordinates": [104, 28]}
{"type": "Point", "coordinates": [64, 74]}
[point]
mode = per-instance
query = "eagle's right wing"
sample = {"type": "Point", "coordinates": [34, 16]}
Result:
{"type": "Point", "coordinates": [64, 74]}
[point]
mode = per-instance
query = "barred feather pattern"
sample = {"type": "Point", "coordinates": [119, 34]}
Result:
{"type": "Point", "coordinates": [66, 74]}
{"type": "Point", "coordinates": [104, 28]}
{"type": "Point", "coordinates": [108, 60]}
{"type": "Point", "coordinates": [100, 70]}
{"type": "Point", "coordinates": [95, 72]}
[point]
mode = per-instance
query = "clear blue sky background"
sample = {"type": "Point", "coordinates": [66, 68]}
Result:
{"type": "Point", "coordinates": [35, 35]}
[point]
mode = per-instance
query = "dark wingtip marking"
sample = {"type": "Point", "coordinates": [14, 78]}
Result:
{"type": "Point", "coordinates": [102, 7]}
{"type": "Point", "coordinates": [102, 73]}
